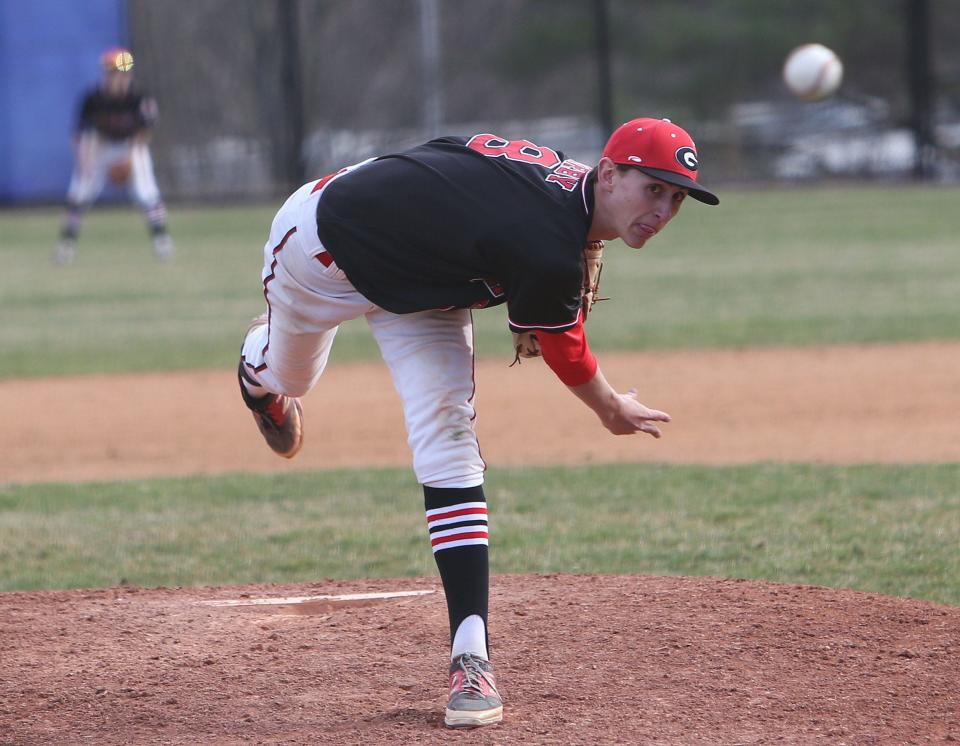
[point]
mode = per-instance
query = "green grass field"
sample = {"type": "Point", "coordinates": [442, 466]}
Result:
{"type": "Point", "coordinates": [792, 267]}
{"type": "Point", "coordinates": [779, 267]}
{"type": "Point", "coordinates": [891, 529]}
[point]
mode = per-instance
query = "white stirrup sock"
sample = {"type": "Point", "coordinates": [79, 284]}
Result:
{"type": "Point", "coordinates": [471, 637]}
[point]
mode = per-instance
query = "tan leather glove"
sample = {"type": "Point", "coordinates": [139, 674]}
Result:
{"type": "Point", "coordinates": [119, 172]}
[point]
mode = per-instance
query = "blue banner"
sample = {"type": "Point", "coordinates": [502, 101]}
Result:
{"type": "Point", "coordinates": [49, 54]}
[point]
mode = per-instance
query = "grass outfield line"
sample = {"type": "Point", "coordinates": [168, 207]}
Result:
{"type": "Point", "coordinates": [888, 529]}
{"type": "Point", "coordinates": [778, 267]}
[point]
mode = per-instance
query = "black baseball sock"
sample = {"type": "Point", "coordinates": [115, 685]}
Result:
{"type": "Point", "coordinates": [72, 217]}
{"type": "Point", "coordinates": [457, 521]}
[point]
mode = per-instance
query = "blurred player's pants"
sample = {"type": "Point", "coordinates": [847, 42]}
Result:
{"type": "Point", "coordinates": [430, 354]}
{"type": "Point", "coordinates": [95, 156]}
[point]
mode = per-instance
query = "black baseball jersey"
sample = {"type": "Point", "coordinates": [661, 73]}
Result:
{"type": "Point", "coordinates": [116, 117]}
{"type": "Point", "coordinates": [464, 223]}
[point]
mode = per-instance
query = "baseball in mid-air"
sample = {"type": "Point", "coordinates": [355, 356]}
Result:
{"type": "Point", "coordinates": [812, 72]}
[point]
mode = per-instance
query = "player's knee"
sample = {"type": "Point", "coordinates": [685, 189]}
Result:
{"type": "Point", "coordinates": [446, 451]}
{"type": "Point", "coordinates": [296, 389]}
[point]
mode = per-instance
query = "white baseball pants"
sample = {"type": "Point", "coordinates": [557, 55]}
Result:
{"type": "Point", "coordinates": [95, 156]}
{"type": "Point", "coordinates": [430, 354]}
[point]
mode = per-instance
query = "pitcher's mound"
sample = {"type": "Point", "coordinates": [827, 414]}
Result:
{"type": "Point", "coordinates": [580, 660]}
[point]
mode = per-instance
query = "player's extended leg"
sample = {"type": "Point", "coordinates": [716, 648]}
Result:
{"type": "Point", "coordinates": [457, 525]}
{"type": "Point", "coordinates": [430, 356]}
{"type": "Point", "coordinates": [143, 186]}
{"type": "Point", "coordinates": [86, 184]}
{"type": "Point", "coordinates": [66, 248]}
{"type": "Point", "coordinates": [279, 418]}
{"type": "Point", "coordinates": [286, 350]}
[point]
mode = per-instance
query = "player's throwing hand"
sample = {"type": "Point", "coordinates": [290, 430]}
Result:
{"type": "Point", "coordinates": [636, 417]}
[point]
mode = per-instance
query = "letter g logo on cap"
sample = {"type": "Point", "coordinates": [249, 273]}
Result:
{"type": "Point", "coordinates": [687, 157]}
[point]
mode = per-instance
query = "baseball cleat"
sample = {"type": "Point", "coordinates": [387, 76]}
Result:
{"type": "Point", "coordinates": [163, 247]}
{"type": "Point", "coordinates": [474, 699]}
{"type": "Point", "coordinates": [279, 419]}
{"type": "Point", "coordinates": [65, 252]}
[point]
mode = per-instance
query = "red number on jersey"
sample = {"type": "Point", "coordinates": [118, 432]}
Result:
{"type": "Point", "coordinates": [523, 151]}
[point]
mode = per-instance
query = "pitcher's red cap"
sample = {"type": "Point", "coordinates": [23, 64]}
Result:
{"type": "Point", "coordinates": [662, 150]}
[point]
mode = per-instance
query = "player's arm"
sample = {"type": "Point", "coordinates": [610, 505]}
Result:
{"type": "Point", "coordinates": [550, 290]}
{"type": "Point", "coordinates": [85, 116]}
{"type": "Point", "coordinates": [621, 414]}
{"type": "Point", "coordinates": [147, 114]}
{"type": "Point", "coordinates": [84, 125]}
{"type": "Point", "coordinates": [569, 357]}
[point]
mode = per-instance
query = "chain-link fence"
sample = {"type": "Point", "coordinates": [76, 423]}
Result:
{"type": "Point", "coordinates": [259, 95]}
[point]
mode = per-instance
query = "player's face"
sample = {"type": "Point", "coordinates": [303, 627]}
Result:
{"type": "Point", "coordinates": [118, 82]}
{"type": "Point", "coordinates": [640, 206]}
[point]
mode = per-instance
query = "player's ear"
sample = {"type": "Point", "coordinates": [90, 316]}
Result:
{"type": "Point", "coordinates": [605, 173]}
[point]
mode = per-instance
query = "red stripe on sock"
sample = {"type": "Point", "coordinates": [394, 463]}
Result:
{"type": "Point", "coordinates": [455, 513]}
{"type": "Point", "coordinates": [458, 537]}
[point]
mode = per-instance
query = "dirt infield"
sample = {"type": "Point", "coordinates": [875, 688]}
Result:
{"type": "Point", "coordinates": [581, 660]}
{"type": "Point", "coordinates": [837, 404]}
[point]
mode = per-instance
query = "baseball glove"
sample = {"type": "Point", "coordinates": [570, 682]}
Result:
{"type": "Point", "coordinates": [526, 344]}
{"type": "Point", "coordinates": [119, 172]}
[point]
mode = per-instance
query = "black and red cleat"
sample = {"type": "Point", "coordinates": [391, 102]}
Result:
{"type": "Point", "coordinates": [279, 419]}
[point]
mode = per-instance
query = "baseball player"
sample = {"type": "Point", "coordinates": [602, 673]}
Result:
{"type": "Point", "coordinates": [414, 241]}
{"type": "Point", "coordinates": [111, 141]}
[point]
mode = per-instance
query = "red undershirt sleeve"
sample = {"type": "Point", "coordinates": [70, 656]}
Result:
{"type": "Point", "coordinates": [569, 355]}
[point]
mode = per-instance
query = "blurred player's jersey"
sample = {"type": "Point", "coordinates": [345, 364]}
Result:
{"type": "Point", "coordinates": [116, 117]}
{"type": "Point", "coordinates": [464, 223]}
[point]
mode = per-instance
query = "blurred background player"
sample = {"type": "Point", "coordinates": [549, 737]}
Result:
{"type": "Point", "coordinates": [111, 141]}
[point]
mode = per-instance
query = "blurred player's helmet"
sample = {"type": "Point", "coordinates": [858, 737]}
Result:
{"type": "Point", "coordinates": [117, 59]}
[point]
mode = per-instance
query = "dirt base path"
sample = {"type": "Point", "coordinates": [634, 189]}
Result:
{"type": "Point", "coordinates": [581, 660]}
{"type": "Point", "coordinates": [838, 404]}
